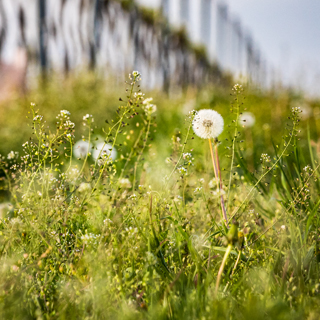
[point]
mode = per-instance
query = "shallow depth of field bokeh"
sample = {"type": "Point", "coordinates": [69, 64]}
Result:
{"type": "Point", "coordinates": [141, 236]}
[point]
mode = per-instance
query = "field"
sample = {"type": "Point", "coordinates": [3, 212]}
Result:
{"type": "Point", "coordinates": [113, 208]}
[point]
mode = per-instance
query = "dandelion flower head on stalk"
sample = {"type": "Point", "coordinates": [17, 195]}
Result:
{"type": "Point", "coordinates": [207, 124]}
{"type": "Point", "coordinates": [247, 119]}
{"type": "Point", "coordinates": [104, 149]}
{"type": "Point", "coordinates": [81, 149]}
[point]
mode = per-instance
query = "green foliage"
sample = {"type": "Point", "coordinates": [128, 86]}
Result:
{"type": "Point", "coordinates": [139, 236]}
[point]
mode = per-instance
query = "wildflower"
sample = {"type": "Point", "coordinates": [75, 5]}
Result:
{"type": "Point", "coordinates": [212, 183]}
{"type": "Point", "coordinates": [64, 112]}
{"type": "Point", "coordinates": [104, 150]}
{"type": "Point", "coordinates": [207, 124]}
{"type": "Point", "coordinates": [69, 124]}
{"type": "Point", "coordinates": [90, 238]}
{"type": "Point", "coordinates": [265, 157]}
{"type": "Point", "coordinates": [182, 170]}
{"type": "Point", "coordinates": [11, 155]}
{"type": "Point", "coordinates": [87, 116]}
{"type": "Point", "coordinates": [147, 101]}
{"type": "Point", "coordinates": [218, 192]}
{"type": "Point", "coordinates": [237, 88]}
{"type": "Point", "coordinates": [307, 168]}
{"type": "Point", "coordinates": [247, 119]}
{"type": "Point", "coordinates": [187, 156]}
{"type": "Point", "coordinates": [150, 109]}
{"type": "Point", "coordinates": [81, 149]}
{"type": "Point", "coordinates": [125, 183]}
{"type": "Point", "coordinates": [107, 221]}
{"type": "Point", "coordinates": [136, 73]}
{"type": "Point", "coordinates": [197, 190]}
{"type": "Point", "coordinates": [84, 187]}
{"type": "Point", "coordinates": [37, 118]}
{"type": "Point", "coordinates": [133, 197]}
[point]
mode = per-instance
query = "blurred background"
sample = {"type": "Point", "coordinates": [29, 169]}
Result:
{"type": "Point", "coordinates": [171, 42]}
{"type": "Point", "coordinates": [76, 55]}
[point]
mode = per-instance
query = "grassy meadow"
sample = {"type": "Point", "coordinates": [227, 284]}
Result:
{"type": "Point", "coordinates": [139, 233]}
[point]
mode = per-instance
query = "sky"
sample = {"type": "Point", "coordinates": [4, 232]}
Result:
{"type": "Point", "coordinates": [288, 34]}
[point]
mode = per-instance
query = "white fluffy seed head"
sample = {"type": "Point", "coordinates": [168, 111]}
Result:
{"type": "Point", "coordinates": [247, 119]}
{"type": "Point", "coordinates": [207, 124]}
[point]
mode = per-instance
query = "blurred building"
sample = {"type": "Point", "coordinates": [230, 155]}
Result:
{"type": "Point", "coordinates": [210, 24]}
{"type": "Point", "coordinates": [63, 35]}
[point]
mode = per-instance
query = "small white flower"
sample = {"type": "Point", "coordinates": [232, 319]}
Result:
{"type": "Point", "coordinates": [212, 183]}
{"type": "Point", "coordinates": [64, 112]}
{"type": "Point", "coordinates": [107, 221]}
{"type": "Point", "coordinates": [207, 124]}
{"type": "Point", "coordinates": [37, 118]}
{"type": "Point", "coordinates": [87, 117]}
{"type": "Point", "coordinates": [69, 124]}
{"type": "Point", "coordinates": [81, 149]}
{"type": "Point", "coordinates": [147, 101]}
{"type": "Point", "coordinates": [133, 197]}
{"type": "Point", "coordinates": [265, 158]}
{"type": "Point", "coordinates": [182, 170]}
{"type": "Point", "coordinates": [11, 155]}
{"type": "Point", "coordinates": [84, 187]}
{"type": "Point", "coordinates": [104, 150]}
{"type": "Point", "coordinates": [218, 193]}
{"type": "Point", "coordinates": [237, 88]}
{"type": "Point", "coordinates": [197, 190]}
{"type": "Point", "coordinates": [150, 109]}
{"type": "Point", "coordinates": [247, 119]}
{"type": "Point", "coordinates": [136, 73]}
{"type": "Point", "coordinates": [307, 168]}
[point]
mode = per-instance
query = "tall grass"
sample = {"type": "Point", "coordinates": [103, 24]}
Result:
{"type": "Point", "coordinates": [140, 236]}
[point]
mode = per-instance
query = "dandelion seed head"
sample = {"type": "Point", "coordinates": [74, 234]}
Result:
{"type": "Point", "coordinates": [81, 149]}
{"type": "Point", "coordinates": [104, 151]}
{"type": "Point", "coordinates": [247, 119]}
{"type": "Point", "coordinates": [207, 124]}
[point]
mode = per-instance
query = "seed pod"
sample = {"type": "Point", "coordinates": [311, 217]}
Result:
{"type": "Point", "coordinates": [232, 235]}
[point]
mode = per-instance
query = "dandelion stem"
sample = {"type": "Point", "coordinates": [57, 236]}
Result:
{"type": "Point", "coordinates": [217, 173]}
{"type": "Point", "coordinates": [214, 164]}
{"type": "Point", "coordinates": [221, 186]}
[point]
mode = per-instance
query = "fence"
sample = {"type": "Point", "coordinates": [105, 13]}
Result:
{"type": "Point", "coordinates": [64, 35]}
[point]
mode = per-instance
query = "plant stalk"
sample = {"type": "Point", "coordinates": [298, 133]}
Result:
{"type": "Point", "coordinates": [226, 255]}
